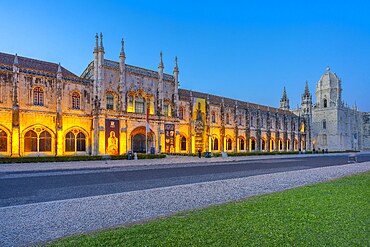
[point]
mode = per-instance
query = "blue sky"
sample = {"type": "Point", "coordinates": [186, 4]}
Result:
{"type": "Point", "coordinates": [247, 50]}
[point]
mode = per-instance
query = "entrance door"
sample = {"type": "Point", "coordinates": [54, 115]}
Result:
{"type": "Point", "coordinates": [138, 143]}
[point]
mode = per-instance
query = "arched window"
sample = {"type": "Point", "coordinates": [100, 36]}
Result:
{"type": "Point", "coordinates": [215, 144]}
{"type": "Point", "coordinates": [38, 96]}
{"type": "Point", "coordinates": [181, 113]}
{"type": "Point", "coordinates": [229, 144]}
{"type": "Point", "coordinates": [280, 145]}
{"type": "Point", "coordinates": [213, 117]}
{"type": "Point", "coordinates": [34, 142]}
{"type": "Point", "coordinates": [30, 141]}
{"type": "Point", "coordinates": [263, 145]}
{"type": "Point", "coordinates": [253, 144]}
{"type": "Point", "coordinates": [45, 142]}
{"type": "Point", "coordinates": [3, 141]}
{"type": "Point", "coordinates": [228, 118]}
{"type": "Point", "coordinates": [139, 105]}
{"type": "Point", "coordinates": [325, 103]}
{"type": "Point", "coordinates": [272, 143]}
{"type": "Point", "coordinates": [110, 101]}
{"type": "Point", "coordinates": [75, 101]}
{"type": "Point", "coordinates": [324, 124]}
{"type": "Point", "coordinates": [70, 142]}
{"type": "Point", "coordinates": [130, 107]}
{"type": "Point", "coordinates": [166, 109]}
{"type": "Point", "coordinates": [240, 120]}
{"type": "Point", "coordinates": [75, 141]}
{"type": "Point", "coordinates": [183, 143]}
{"type": "Point", "coordinates": [241, 144]}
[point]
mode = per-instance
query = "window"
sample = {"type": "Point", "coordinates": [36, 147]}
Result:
{"type": "Point", "coordinates": [263, 145]}
{"type": "Point", "coordinates": [130, 107]}
{"type": "Point", "coordinates": [240, 120]}
{"type": "Point", "coordinates": [229, 144]}
{"type": "Point", "coordinates": [3, 141]}
{"type": "Point", "coordinates": [37, 143]}
{"type": "Point", "coordinates": [139, 105]}
{"type": "Point", "coordinates": [30, 141]}
{"type": "Point", "coordinates": [324, 124]}
{"type": "Point", "coordinates": [228, 118]}
{"type": "Point", "coordinates": [110, 101]}
{"type": "Point", "coordinates": [213, 117]}
{"type": "Point", "coordinates": [280, 145]}
{"type": "Point", "coordinates": [253, 144]}
{"type": "Point", "coordinates": [75, 101]}
{"type": "Point", "coordinates": [215, 144]}
{"type": "Point", "coordinates": [165, 109]}
{"type": "Point", "coordinates": [183, 143]}
{"type": "Point", "coordinates": [241, 144]}
{"type": "Point", "coordinates": [325, 103]}
{"type": "Point", "coordinates": [75, 141]}
{"type": "Point", "coordinates": [252, 124]}
{"type": "Point", "coordinates": [38, 96]}
{"type": "Point", "coordinates": [181, 113]}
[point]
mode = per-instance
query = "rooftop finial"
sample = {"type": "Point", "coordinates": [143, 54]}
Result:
{"type": "Point", "coordinates": [160, 61]}
{"type": "Point", "coordinates": [15, 59]}
{"type": "Point", "coordinates": [59, 68]}
{"type": "Point", "coordinates": [284, 98]}
{"type": "Point", "coordinates": [101, 40]}
{"type": "Point", "coordinates": [306, 90]}
{"type": "Point", "coordinates": [122, 54]}
{"type": "Point", "coordinates": [328, 68]}
{"type": "Point", "coordinates": [96, 40]}
{"type": "Point", "coordinates": [176, 69]}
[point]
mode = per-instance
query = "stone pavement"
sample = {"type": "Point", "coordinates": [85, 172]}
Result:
{"type": "Point", "coordinates": [169, 160]}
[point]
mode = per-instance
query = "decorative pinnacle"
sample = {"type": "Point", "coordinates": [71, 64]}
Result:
{"type": "Point", "coordinates": [176, 69]}
{"type": "Point", "coordinates": [96, 40]}
{"type": "Point", "coordinates": [15, 59]}
{"type": "Point", "coordinates": [306, 90]}
{"type": "Point", "coordinates": [101, 40]}
{"type": "Point", "coordinates": [160, 61]}
{"type": "Point", "coordinates": [122, 54]}
{"type": "Point", "coordinates": [59, 68]}
{"type": "Point", "coordinates": [285, 97]}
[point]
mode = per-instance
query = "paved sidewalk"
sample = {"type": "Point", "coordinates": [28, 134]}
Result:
{"type": "Point", "coordinates": [169, 160]}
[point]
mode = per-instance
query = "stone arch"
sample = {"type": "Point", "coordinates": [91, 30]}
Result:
{"type": "Point", "coordinates": [241, 143]}
{"type": "Point", "coordinates": [5, 145]}
{"type": "Point", "coordinates": [80, 145]}
{"type": "Point", "coordinates": [183, 143]}
{"type": "Point", "coordinates": [272, 144]}
{"type": "Point", "coordinates": [37, 142]}
{"type": "Point", "coordinates": [138, 140]}
{"type": "Point", "coordinates": [252, 144]}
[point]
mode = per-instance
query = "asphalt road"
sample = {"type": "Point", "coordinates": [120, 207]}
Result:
{"type": "Point", "coordinates": [25, 188]}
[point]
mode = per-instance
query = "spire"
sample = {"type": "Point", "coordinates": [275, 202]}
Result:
{"type": "Point", "coordinates": [306, 90]}
{"type": "Point", "coordinates": [122, 54]}
{"type": "Point", "coordinates": [59, 68]}
{"type": "Point", "coordinates": [160, 61]}
{"type": "Point", "coordinates": [96, 42]}
{"type": "Point", "coordinates": [15, 59]}
{"type": "Point", "coordinates": [285, 97]}
{"type": "Point", "coordinates": [101, 42]}
{"type": "Point", "coordinates": [176, 69]}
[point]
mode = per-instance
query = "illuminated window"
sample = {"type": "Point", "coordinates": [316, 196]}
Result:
{"type": "Point", "coordinates": [215, 144]}
{"type": "Point", "coordinates": [166, 109]}
{"type": "Point", "coordinates": [183, 143]}
{"type": "Point", "coordinates": [75, 141]}
{"type": "Point", "coordinates": [181, 113]}
{"type": "Point", "coordinates": [30, 141]}
{"type": "Point", "coordinates": [3, 141]}
{"type": "Point", "coordinates": [139, 105]}
{"type": "Point", "coordinates": [37, 143]}
{"type": "Point", "coordinates": [110, 101]}
{"type": "Point", "coordinates": [75, 101]}
{"type": "Point", "coordinates": [229, 144]}
{"type": "Point", "coordinates": [38, 96]}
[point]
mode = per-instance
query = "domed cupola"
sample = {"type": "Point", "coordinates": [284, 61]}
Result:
{"type": "Point", "coordinates": [329, 90]}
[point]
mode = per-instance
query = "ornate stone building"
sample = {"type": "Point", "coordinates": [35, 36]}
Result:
{"type": "Point", "coordinates": [113, 108]}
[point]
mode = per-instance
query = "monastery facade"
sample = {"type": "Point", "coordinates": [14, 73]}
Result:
{"type": "Point", "coordinates": [113, 108]}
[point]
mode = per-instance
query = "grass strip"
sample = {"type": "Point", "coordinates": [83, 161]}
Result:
{"type": "Point", "coordinates": [335, 213]}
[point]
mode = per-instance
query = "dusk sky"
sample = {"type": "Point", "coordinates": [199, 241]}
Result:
{"type": "Point", "coordinates": [247, 50]}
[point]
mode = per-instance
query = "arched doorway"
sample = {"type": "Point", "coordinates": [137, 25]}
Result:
{"type": "Point", "coordinates": [138, 140]}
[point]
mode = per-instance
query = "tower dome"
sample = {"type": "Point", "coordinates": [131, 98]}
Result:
{"type": "Point", "coordinates": [329, 90]}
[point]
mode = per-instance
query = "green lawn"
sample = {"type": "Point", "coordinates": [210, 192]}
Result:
{"type": "Point", "coordinates": [335, 213]}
